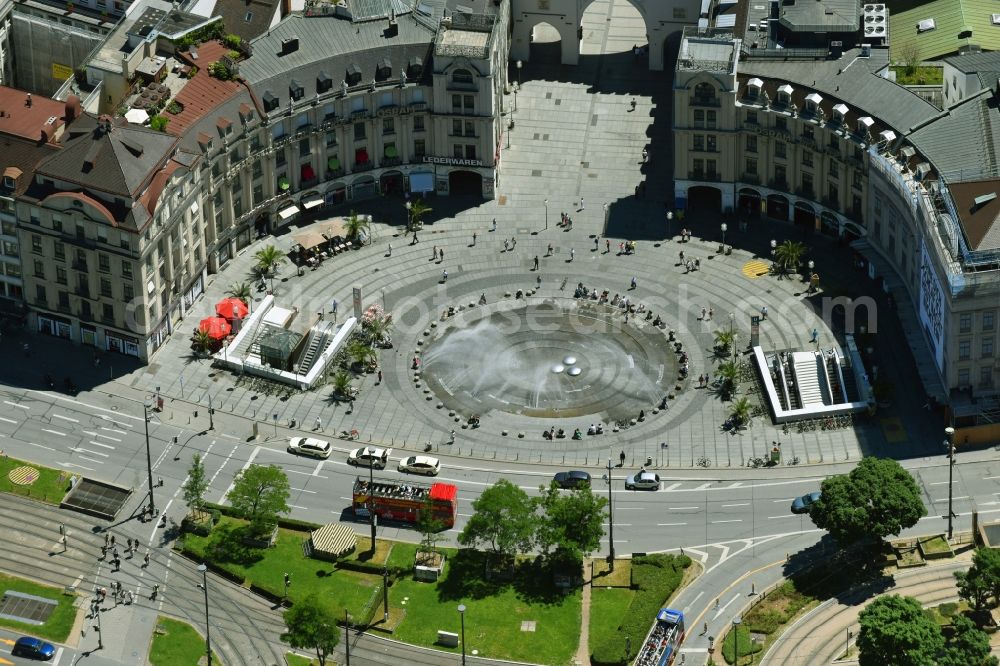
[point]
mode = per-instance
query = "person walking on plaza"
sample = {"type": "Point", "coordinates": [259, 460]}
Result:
{"type": "Point", "coordinates": [389, 251]}
{"type": "Point", "coordinates": [434, 253]}
{"type": "Point", "coordinates": [415, 239]}
{"type": "Point", "coordinates": [145, 559]}
{"type": "Point", "coordinates": [319, 424]}
{"type": "Point", "coordinates": [815, 336]}
{"type": "Point", "coordinates": [597, 243]}
{"type": "Point", "coordinates": [621, 458]}
{"type": "Point", "coordinates": [473, 239]}
{"type": "Point", "coordinates": [441, 255]}
{"type": "Point", "coordinates": [494, 227]}
{"type": "Point", "coordinates": [513, 243]}
{"type": "Point", "coordinates": [548, 250]}
{"type": "Point", "coordinates": [763, 312]}
{"type": "Point", "coordinates": [536, 263]}
{"type": "Point", "coordinates": [572, 253]}
{"type": "Point", "coordinates": [607, 246]}
{"type": "Point", "coordinates": [581, 204]}
{"type": "Point", "coordinates": [632, 284]}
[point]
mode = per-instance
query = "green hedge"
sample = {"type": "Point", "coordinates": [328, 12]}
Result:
{"type": "Point", "coordinates": [655, 578]}
{"type": "Point", "coordinates": [747, 647]}
{"type": "Point", "coordinates": [285, 523]}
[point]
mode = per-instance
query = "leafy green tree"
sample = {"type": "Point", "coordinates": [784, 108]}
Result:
{"type": "Point", "coordinates": [312, 625]}
{"type": "Point", "coordinates": [196, 485]}
{"type": "Point", "coordinates": [240, 290]}
{"type": "Point", "coordinates": [202, 342]}
{"type": "Point", "coordinates": [342, 388]}
{"type": "Point", "coordinates": [429, 527]}
{"type": "Point", "coordinates": [789, 255]}
{"type": "Point", "coordinates": [417, 212]}
{"type": "Point", "coordinates": [740, 411]}
{"type": "Point", "coordinates": [503, 518]}
{"type": "Point", "coordinates": [159, 123]}
{"type": "Point", "coordinates": [895, 631]}
{"type": "Point", "coordinates": [728, 372]}
{"type": "Point", "coordinates": [269, 259]}
{"type": "Point", "coordinates": [361, 353]}
{"type": "Point", "coordinates": [355, 224]}
{"type": "Point", "coordinates": [259, 494]}
{"type": "Point", "coordinates": [572, 523]}
{"type": "Point", "coordinates": [724, 340]}
{"type": "Point", "coordinates": [982, 580]}
{"type": "Point", "coordinates": [877, 499]}
{"type": "Point", "coordinates": [968, 646]}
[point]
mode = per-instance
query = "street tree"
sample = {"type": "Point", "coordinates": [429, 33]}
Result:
{"type": "Point", "coordinates": [260, 493]}
{"type": "Point", "coordinates": [417, 212]}
{"type": "Point", "coordinates": [741, 412]}
{"type": "Point", "coordinates": [789, 255]}
{"type": "Point", "coordinates": [240, 290]}
{"type": "Point", "coordinates": [572, 524]}
{"type": "Point", "coordinates": [269, 258]}
{"type": "Point", "coordinates": [724, 341]}
{"type": "Point", "coordinates": [503, 518]}
{"type": "Point", "coordinates": [312, 625]}
{"type": "Point", "coordinates": [877, 499]}
{"type": "Point", "coordinates": [982, 580]}
{"type": "Point", "coordinates": [196, 485]}
{"type": "Point", "coordinates": [355, 225]}
{"type": "Point", "coordinates": [429, 526]}
{"type": "Point", "coordinates": [967, 645]}
{"type": "Point", "coordinates": [895, 630]}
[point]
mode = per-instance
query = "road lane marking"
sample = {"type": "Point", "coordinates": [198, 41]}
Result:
{"type": "Point", "coordinates": [74, 465]}
{"type": "Point", "coordinates": [671, 487]}
{"type": "Point", "coordinates": [735, 520]}
{"type": "Point", "coordinates": [65, 418]}
{"type": "Point", "coordinates": [945, 499]}
{"type": "Point", "coordinates": [42, 446]}
{"type": "Point", "coordinates": [937, 483]}
{"type": "Point", "coordinates": [106, 446]}
{"type": "Point", "coordinates": [704, 486]}
{"type": "Point", "coordinates": [303, 490]}
{"type": "Point", "coordinates": [721, 610]}
{"type": "Point", "coordinates": [93, 433]}
{"type": "Point", "coordinates": [987, 478]}
{"type": "Point", "coordinates": [93, 460]}
{"type": "Point", "coordinates": [105, 417]}
{"type": "Point", "coordinates": [14, 404]}
{"type": "Point", "coordinates": [296, 506]}
{"type": "Point", "coordinates": [787, 515]}
{"type": "Point", "coordinates": [726, 506]}
{"type": "Point", "coordinates": [8, 420]}
{"type": "Point", "coordinates": [117, 432]}
{"type": "Point", "coordinates": [682, 508]}
{"type": "Point", "coordinates": [630, 508]}
{"type": "Point", "coordinates": [319, 466]}
{"type": "Point", "coordinates": [80, 449]}
{"type": "Point", "coordinates": [54, 432]}
{"type": "Point", "coordinates": [702, 555]}
{"type": "Point", "coordinates": [790, 499]}
{"type": "Point", "coordinates": [670, 524]}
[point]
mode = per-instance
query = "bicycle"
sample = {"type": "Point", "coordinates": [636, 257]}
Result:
{"type": "Point", "coordinates": [793, 461]}
{"type": "Point", "coordinates": [704, 462]}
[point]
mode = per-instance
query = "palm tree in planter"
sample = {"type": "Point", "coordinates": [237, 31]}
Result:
{"type": "Point", "coordinates": [342, 388]}
{"type": "Point", "coordinates": [378, 332]}
{"type": "Point", "coordinates": [724, 341]}
{"type": "Point", "coordinates": [728, 372]}
{"type": "Point", "coordinates": [789, 255]}
{"type": "Point", "coordinates": [242, 291]}
{"type": "Point", "coordinates": [355, 225]}
{"type": "Point", "coordinates": [362, 355]}
{"type": "Point", "coordinates": [741, 412]}
{"type": "Point", "coordinates": [417, 211]}
{"type": "Point", "coordinates": [269, 258]}
{"type": "Point", "coordinates": [202, 342]}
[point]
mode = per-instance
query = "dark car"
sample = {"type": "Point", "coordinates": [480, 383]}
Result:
{"type": "Point", "coordinates": [27, 646]}
{"type": "Point", "coordinates": [802, 504]}
{"type": "Point", "coordinates": [573, 479]}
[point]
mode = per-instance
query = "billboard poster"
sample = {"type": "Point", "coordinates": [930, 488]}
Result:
{"type": "Point", "coordinates": [932, 306]}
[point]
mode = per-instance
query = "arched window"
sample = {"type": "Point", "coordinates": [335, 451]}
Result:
{"type": "Point", "coordinates": [462, 77]}
{"type": "Point", "coordinates": [704, 91]}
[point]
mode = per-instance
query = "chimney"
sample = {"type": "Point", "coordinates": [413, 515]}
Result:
{"type": "Point", "coordinates": [393, 29]}
{"type": "Point", "coordinates": [72, 108]}
{"type": "Point", "coordinates": [290, 45]}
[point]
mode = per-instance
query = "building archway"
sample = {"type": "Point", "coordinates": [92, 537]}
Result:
{"type": "Point", "coordinates": [748, 202]}
{"type": "Point", "coordinates": [777, 206]}
{"type": "Point", "coordinates": [391, 182]}
{"type": "Point", "coordinates": [830, 225]}
{"type": "Point", "coordinates": [363, 187]}
{"type": "Point", "coordinates": [804, 214]}
{"type": "Point", "coordinates": [462, 182]}
{"type": "Point", "coordinates": [547, 44]}
{"type": "Point", "coordinates": [705, 197]}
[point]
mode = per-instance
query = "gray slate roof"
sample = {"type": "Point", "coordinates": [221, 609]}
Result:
{"type": "Point", "coordinates": [963, 142]}
{"type": "Point", "coordinates": [986, 65]}
{"type": "Point", "coordinates": [123, 160]}
{"type": "Point", "coordinates": [853, 80]}
{"type": "Point", "coordinates": [826, 16]}
{"type": "Point", "coordinates": [234, 14]}
{"type": "Point", "coordinates": [330, 45]}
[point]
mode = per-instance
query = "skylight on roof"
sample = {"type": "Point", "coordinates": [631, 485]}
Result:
{"type": "Point", "coordinates": [925, 25]}
{"type": "Point", "coordinates": [995, 19]}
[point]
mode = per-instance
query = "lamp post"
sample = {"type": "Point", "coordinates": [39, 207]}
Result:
{"type": "Point", "coordinates": [950, 445]}
{"type": "Point", "coordinates": [211, 413]}
{"type": "Point", "coordinates": [670, 220]}
{"type": "Point", "coordinates": [607, 217]}
{"type": "Point", "coordinates": [736, 639]}
{"type": "Point", "coordinates": [519, 65]}
{"type": "Point", "coordinates": [371, 501]}
{"type": "Point", "coordinates": [461, 611]}
{"type": "Point", "coordinates": [546, 214]}
{"type": "Point", "coordinates": [409, 205]}
{"type": "Point", "coordinates": [811, 264]}
{"type": "Point", "coordinates": [611, 522]}
{"type": "Point", "coordinates": [100, 634]}
{"type": "Point", "coordinates": [723, 227]}
{"type": "Point", "coordinates": [288, 581]}
{"type": "Point", "coordinates": [732, 322]}
{"type": "Point", "coordinates": [208, 627]}
{"type": "Point", "coordinates": [774, 245]}
{"type": "Point", "coordinates": [146, 406]}
{"type": "Point", "coordinates": [347, 635]}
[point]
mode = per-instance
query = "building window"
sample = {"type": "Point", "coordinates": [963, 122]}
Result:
{"type": "Point", "coordinates": [963, 377]}
{"type": "Point", "coordinates": [807, 183]}
{"type": "Point", "coordinates": [780, 175]}
{"type": "Point", "coordinates": [418, 123]}
{"type": "Point", "coordinates": [710, 119]}
{"type": "Point", "coordinates": [751, 166]}
{"type": "Point", "coordinates": [40, 295]}
{"type": "Point", "coordinates": [39, 269]}
{"type": "Point", "coordinates": [419, 148]}
{"type": "Point", "coordinates": [710, 167]}
{"type": "Point", "coordinates": [257, 170]}
{"type": "Point", "coordinates": [680, 13]}
{"type": "Point", "coordinates": [359, 131]}
{"type": "Point", "coordinates": [126, 269]}
{"type": "Point", "coordinates": [456, 128]}
{"type": "Point", "coordinates": [699, 118]}
{"type": "Point", "coordinates": [965, 323]}
{"type": "Point", "coordinates": [103, 263]}
{"type": "Point", "coordinates": [699, 168]}
{"type": "Point", "coordinates": [36, 243]}
{"type": "Point", "coordinates": [331, 140]}
{"type": "Point", "coordinates": [779, 149]}
{"type": "Point", "coordinates": [699, 142]}
{"type": "Point", "coordinates": [987, 348]}
{"type": "Point", "coordinates": [127, 292]}
{"type": "Point", "coordinates": [988, 321]}
{"type": "Point", "coordinates": [106, 287]}
{"type": "Point", "coordinates": [60, 275]}
{"type": "Point", "coordinates": [59, 250]}
{"type": "Point", "coordinates": [388, 126]}
{"type": "Point", "coordinates": [456, 151]}
{"type": "Point", "coordinates": [470, 152]}
{"type": "Point", "coordinates": [986, 377]}
{"type": "Point", "coordinates": [57, 223]}
{"type": "Point", "coordinates": [258, 194]}
{"type": "Point", "coordinates": [834, 194]}
{"type": "Point", "coordinates": [751, 143]}
{"type": "Point", "coordinates": [304, 148]}
{"type": "Point", "coordinates": [781, 124]}
{"type": "Point", "coordinates": [63, 299]}
{"type": "Point", "coordinates": [462, 77]}
{"type": "Point", "coordinates": [710, 143]}
{"type": "Point", "coordinates": [108, 312]}
{"type": "Point", "coordinates": [807, 158]}
{"type": "Point", "coordinates": [964, 350]}
{"type": "Point", "coordinates": [751, 117]}
{"type": "Point", "coordinates": [807, 132]}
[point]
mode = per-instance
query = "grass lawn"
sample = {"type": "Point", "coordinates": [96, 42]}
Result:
{"type": "Point", "coordinates": [176, 643]}
{"type": "Point", "coordinates": [607, 607]}
{"type": "Point", "coordinates": [944, 614]}
{"type": "Point", "coordinates": [50, 486]}
{"type": "Point", "coordinates": [934, 545]}
{"type": "Point", "coordinates": [292, 659]}
{"type": "Point", "coordinates": [602, 576]}
{"type": "Point", "coordinates": [494, 612]}
{"type": "Point", "coordinates": [922, 76]}
{"type": "Point", "coordinates": [747, 648]}
{"type": "Point", "coordinates": [60, 622]}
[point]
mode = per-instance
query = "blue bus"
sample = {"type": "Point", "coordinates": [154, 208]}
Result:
{"type": "Point", "coordinates": [664, 639]}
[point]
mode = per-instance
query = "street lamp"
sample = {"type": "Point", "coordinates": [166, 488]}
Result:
{"type": "Point", "coordinates": [146, 406]}
{"type": "Point", "coordinates": [208, 627]}
{"type": "Point", "coordinates": [950, 445]}
{"type": "Point", "coordinates": [607, 217]}
{"type": "Point", "coordinates": [409, 205]}
{"type": "Point", "coordinates": [546, 214]}
{"type": "Point", "coordinates": [519, 65]}
{"type": "Point", "coordinates": [724, 227]}
{"type": "Point", "coordinates": [670, 219]}
{"type": "Point", "coordinates": [811, 264]}
{"type": "Point", "coordinates": [611, 522]}
{"type": "Point", "coordinates": [732, 322]}
{"type": "Point", "coordinates": [461, 607]}
{"type": "Point", "coordinates": [371, 501]}
{"type": "Point", "coordinates": [774, 245]}
{"type": "Point", "coordinates": [736, 639]}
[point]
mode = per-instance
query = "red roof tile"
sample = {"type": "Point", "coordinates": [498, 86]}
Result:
{"type": "Point", "coordinates": [202, 93]}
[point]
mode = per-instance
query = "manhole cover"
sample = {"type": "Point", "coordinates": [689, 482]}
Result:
{"type": "Point", "coordinates": [23, 476]}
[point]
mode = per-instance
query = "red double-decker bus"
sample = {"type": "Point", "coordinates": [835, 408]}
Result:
{"type": "Point", "coordinates": [394, 500]}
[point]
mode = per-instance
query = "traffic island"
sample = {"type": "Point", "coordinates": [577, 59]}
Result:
{"type": "Point", "coordinates": [177, 643]}
{"type": "Point", "coordinates": [37, 610]}
{"type": "Point", "coordinates": [33, 481]}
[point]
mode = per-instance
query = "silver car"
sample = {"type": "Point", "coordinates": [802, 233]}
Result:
{"type": "Point", "coordinates": [643, 481]}
{"type": "Point", "coordinates": [425, 465]}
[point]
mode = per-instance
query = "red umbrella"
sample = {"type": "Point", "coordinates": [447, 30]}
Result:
{"type": "Point", "coordinates": [231, 308]}
{"type": "Point", "coordinates": [216, 327]}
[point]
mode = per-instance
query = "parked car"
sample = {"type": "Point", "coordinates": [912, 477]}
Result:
{"type": "Point", "coordinates": [369, 456]}
{"type": "Point", "coordinates": [33, 648]}
{"type": "Point", "coordinates": [309, 446]}
{"type": "Point", "coordinates": [425, 465]}
{"type": "Point", "coordinates": [572, 479]}
{"type": "Point", "coordinates": [643, 481]}
{"type": "Point", "coordinates": [802, 504]}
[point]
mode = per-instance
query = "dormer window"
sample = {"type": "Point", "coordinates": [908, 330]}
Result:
{"type": "Point", "coordinates": [754, 86]}
{"type": "Point", "coordinates": [461, 77]}
{"type": "Point", "coordinates": [812, 103]}
{"type": "Point", "coordinates": [384, 70]}
{"type": "Point", "coordinates": [296, 90]}
{"type": "Point", "coordinates": [353, 75]}
{"type": "Point", "coordinates": [323, 83]}
{"type": "Point", "coordinates": [9, 183]}
{"type": "Point", "coordinates": [865, 125]}
{"type": "Point", "coordinates": [785, 95]}
{"type": "Point", "coordinates": [839, 113]}
{"type": "Point", "coordinates": [414, 68]}
{"type": "Point", "coordinates": [704, 93]}
{"type": "Point", "coordinates": [271, 101]}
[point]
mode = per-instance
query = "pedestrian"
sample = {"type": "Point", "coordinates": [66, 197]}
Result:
{"type": "Point", "coordinates": [145, 559]}
{"type": "Point", "coordinates": [682, 256]}
{"type": "Point", "coordinates": [697, 264]}
{"type": "Point", "coordinates": [581, 204]}
{"type": "Point", "coordinates": [494, 227]}
{"type": "Point", "coordinates": [548, 250]}
{"type": "Point", "coordinates": [506, 244]}
{"type": "Point", "coordinates": [815, 336]}
{"type": "Point", "coordinates": [473, 239]}
{"type": "Point", "coordinates": [389, 253]}
{"type": "Point", "coordinates": [645, 155]}
{"type": "Point", "coordinates": [415, 239]}
{"type": "Point", "coordinates": [597, 242]}
{"type": "Point", "coordinates": [114, 552]}
{"type": "Point", "coordinates": [701, 380]}
{"type": "Point", "coordinates": [572, 254]}
{"type": "Point", "coordinates": [621, 458]}
{"type": "Point", "coordinates": [319, 424]}
{"type": "Point", "coordinates": [380, 375]}
{"type": "Point", "coordinates": [333, 307]}
{"type": "Point", "coordinates": [710, 313]}
{"type": "Point", "coordinates": [607, 246]}
{"type": "Point", "coordinates": [704, 314]}
{"type": "Point", "coordinates": [513, 243]}
{"type": "Point", "coordinates": [763, 312]}
{"type": "Point", "coordinates": [538, 281]}
{"type": "Point", "coordinates": [106, 538]}
{"type": "Point", "coordinates": [156, 590]}
{"type": "Point", "coordinates": [621, 248]}
{"type": "Point", "coordinates": [434, 253]}
{"type": "Point", "coordinates": [632, 285]}
{"type": "Point", "coordinates": [444, 276]}
{"type": "Point", "coordinates": [536, 262]}
{"type": "Point", "coordinates": [118, 563]}
{"type": "Point", "coordinates": [104, 552]}
{"type": "Point", "coordinates": [633, 99]}
{"type": "Point", "coordinates": [112, 540]}
{"type": "Point", "coordinates": [128, 598]}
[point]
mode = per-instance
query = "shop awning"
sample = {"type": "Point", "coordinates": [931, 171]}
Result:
{"type": "Point", "coordinates": [422, 182]}
{"type": "Point", "coordinates": [361, 155]}
{"type": "Point", "coordinates": [307, 172]}
{"type": "Point", "coordinates": [310, 239]}
{"type": "Point", "coordinates": [390, 151]}
{"type": "Point", "coordinates": [333, 163]}
{"type": "Point", "coordinates": [286, 213]}
{"type": "Point", "coordinates": [312, 202]}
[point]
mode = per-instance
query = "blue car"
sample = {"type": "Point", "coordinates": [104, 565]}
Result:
{"type": "Point", "coordinates": [802, 504]}
{"type": "Point", "coordinates": [27, 646]}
